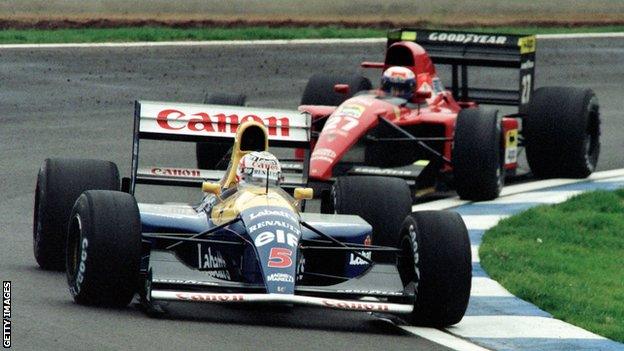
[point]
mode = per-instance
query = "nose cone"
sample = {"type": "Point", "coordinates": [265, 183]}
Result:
{"type": "Point", "coordinates": [275, 233]}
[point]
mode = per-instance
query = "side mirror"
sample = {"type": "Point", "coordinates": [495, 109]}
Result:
{"type": "Point", "coordinates": [210, 187]}
{"type": "Point", "coordinates": [342, 89]}
{"type": "Point", "coordinates": [303, 194]}
{"type": "Point", "coordinates": [422, 94]}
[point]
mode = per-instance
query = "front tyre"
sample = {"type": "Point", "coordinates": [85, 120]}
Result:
{"type": "Point", "coordinates": [383, 202]}
{"type": "Point", "coordinates": [562, 132]}
{"type": "Point", "coordinates": [104, 248]}
{"type": "Point", "coordinates": [59, 183]}
{"type": "Point", "coordinates": [478, 166]}
{"type": "Point", "coordinates": [436, 258]}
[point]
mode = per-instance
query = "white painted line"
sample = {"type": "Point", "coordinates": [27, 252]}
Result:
{"type": "Point", "coordinates": [607, 174]}
{"type": "Point", "coordinates": [518, 327]}
{"type": "Point", "coordinates": [267, 42]}
{"type": "Point", "coordinates": [521, 188]}
{"type": "Point", "coordinates": [542, 197]}
{"type": "Point", "coordinates": [482, 222]}
{"type": "Point", "coordinates": [197, 43]}
{"type": "Point", "coordinates": [581, 35]}
{"type": "Point", "coordinates": [610, 180]}
{"type": "Point", "coordinates": [442, 338]}
{"type": "Point", "coordinates": [537, 185]}
{"type": "Point", "coordinates": [440, 204]}
{"type": "Point", "coordinates": [475, 253]}
{"type": "Point", "coordinates": [483, 286]}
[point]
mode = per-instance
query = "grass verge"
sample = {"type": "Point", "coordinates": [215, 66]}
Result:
{"type": "Point", "coordinates": [567, 259]}
{"type": "Point", "coordinates": [133, 34]}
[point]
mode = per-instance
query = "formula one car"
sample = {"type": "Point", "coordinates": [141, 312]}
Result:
{"type": "Point", "coordinates": [446, 134]}
{"type": "Point", "coordinates": [413, 128]}
{"type": "Point", "coordinates": [247, 242]}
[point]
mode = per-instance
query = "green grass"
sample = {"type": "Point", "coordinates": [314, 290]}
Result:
{"type": "Point", "coordinates": [568, 259]}
{"type": "Point", "coordinates": [130, 34]}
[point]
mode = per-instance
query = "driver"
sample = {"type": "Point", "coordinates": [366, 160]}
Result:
{"type": "Point", "coordinates": [257, 168]}
{"type": "Point", "coordinates": [399, 81]}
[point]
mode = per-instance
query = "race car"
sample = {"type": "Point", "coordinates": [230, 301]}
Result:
{"type": "Point", "coordinates": [413, 128]}
{"type": "Point", "coordinates": [247, 241]}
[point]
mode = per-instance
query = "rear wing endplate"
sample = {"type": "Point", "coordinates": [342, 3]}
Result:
{"type": "Point", "coordinates": [204, 123]}
{"type": "Point", "coordinates": [463, 49]}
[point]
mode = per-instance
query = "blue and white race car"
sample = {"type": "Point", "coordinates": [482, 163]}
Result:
{"type": "Point", "coordinates": [248, 241]}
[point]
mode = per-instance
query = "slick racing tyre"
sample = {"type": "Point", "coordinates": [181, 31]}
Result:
{"type": "Point", "coordinates": [383, 202]}
{"type": "Point", "coordinates": [212, 155]}
{"type": "Point", "coordinates": [59, 183]}
{"type": "Point", "coordinates": [562, 132]}
{"type": "Point", "coordinates": [436, 258]}
{"type": "Point", "coordinates": [478, 166]}
{"type": "Point", "coordinates": [320, 89]}
{"type": "Point", "coordinates": [104, 248]}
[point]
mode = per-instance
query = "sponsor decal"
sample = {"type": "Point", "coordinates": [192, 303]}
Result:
{"type": "Point", "coordinates": [175, 172]}
{"type": "Point", "coordinates": [6, 314]}
{"type": "Point", "coordinates": [280, 236]}
{"type": "Point", "coordinates": [280, 257]}
{"type": "Point", "coordinates": [172, 119]}
{"type": "Point", "coordinates": [437, 85]}
{"type": "Point", "coordinates": [82, 267]}
{"type": "Point", "coordinates": [283, 224]}
{"type": "Point", "coordinates": [263, 213]}
{"type": "Point", "coordinates": [358, 261]}
{"type": "Point", "coordinates": [527, 44]}
{"type": "Point", "coordinates": [356, 306]}
{"type": "Point", "coordinates": [382, 171]}
{"type": "Point", "coordinates": [280, 277]}
{"type": "Point", "coordinates": [527, 64]}
{"type": "Point", "coordinates": [511, 146]}
{"type": "Point", "coordinates": [371, 292]}
{"type": "Point", "coordinates": [323, 154]}
{"type": "Point", "coordinates": [181, 281]}
{"type": "Point", "coordinates": [211, 260]}
{"type": "Point", "coordinates": [209, 297]}
{"type": "Point", "coordinates": [468, 38]}
{"type": "Point", "coordinates": [344, 119]}
{"type": "Point", "coordinates": [412, 234]}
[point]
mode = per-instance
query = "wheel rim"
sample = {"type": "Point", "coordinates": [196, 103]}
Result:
{"type": "Point", "coordinates": [405, 263]}
{"type": "Point", "coordinates": [592, 134]}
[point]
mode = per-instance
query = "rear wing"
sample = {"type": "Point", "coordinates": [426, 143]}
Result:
{"type": "Point", "coordinates": [463, 49]}
{"type": "Point", "coordinates": [203, 123]}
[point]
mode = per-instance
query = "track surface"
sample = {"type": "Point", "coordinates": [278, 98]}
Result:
{"type": "Point", "coordinates": [78, 103]}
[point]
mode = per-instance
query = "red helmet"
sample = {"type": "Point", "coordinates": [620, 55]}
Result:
{"type": "Point", "coordinates": [399, 81]}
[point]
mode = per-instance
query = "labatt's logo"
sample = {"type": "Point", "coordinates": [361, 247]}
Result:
{"type": "Point", "coordinates": [173, 119]}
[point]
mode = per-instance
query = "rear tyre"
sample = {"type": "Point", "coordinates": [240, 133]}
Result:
{"type": "Point", "coordinates": [320, 89]}
{"type": "Point", "coordinates": [59, 183]}
{"type": "Point", "coordinates": [212, 155]}
{"type": "Point", "coordinates": [383, 202]}
{"type": "Point", "coordinates": [436, 258]}
{"type": "Point", "coordinates": [478, 166]}
{"type": "Point", "coordinates": [104, 248]}
{"type": "Point", "coordinates": [562, 132]}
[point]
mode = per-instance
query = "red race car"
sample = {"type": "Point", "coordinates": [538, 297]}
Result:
{"type": "Point", "coordinates": [415, 129]}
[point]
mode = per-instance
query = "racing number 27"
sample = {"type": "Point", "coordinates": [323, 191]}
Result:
{"type": "Point", "coordinates": [280, 257]}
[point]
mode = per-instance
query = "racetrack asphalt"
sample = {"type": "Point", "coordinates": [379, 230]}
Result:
{"type": "Point", "coordinates": [79, 103]}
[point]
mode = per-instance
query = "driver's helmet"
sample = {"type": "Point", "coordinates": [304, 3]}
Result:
{"type": "Point", "coordinates": [399, 81]}
{"type": "Point", "coordinates": [258, 167]}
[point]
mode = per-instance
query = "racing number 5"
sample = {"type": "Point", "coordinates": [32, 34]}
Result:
{"type": "Point", "coordinates": [280, 257]}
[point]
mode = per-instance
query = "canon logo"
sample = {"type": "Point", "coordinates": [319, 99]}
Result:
{"type": "Point", "coordinates": [172, 119]}
{"type": "Point", "coordinates": [358, 306]}
{"type": "Point", "coordinates": [209, 297]}
{"type": "Point", "coordinates": [177, 172]}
